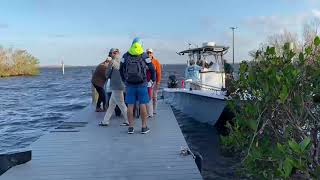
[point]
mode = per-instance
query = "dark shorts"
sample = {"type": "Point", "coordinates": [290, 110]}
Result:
{"type": "Point", "coordinates": [137, 94]}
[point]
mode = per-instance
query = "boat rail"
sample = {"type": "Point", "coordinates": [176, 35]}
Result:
{"type": "Point", "coordinates": [208, 87]}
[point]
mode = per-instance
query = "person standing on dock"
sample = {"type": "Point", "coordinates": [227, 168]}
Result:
{"type": "Point", "coordinates": [150, 92]}
{"type": "Point", "coordinates": [133, 68]}
{"type": "Point", "coordinates": [98, 80]}
{"type": "Point", "coordinates": [157, 66]}
{"type": "Point", "coordinates": [192, 75]}
{"type": "Point", "coordinates": [116, 87]}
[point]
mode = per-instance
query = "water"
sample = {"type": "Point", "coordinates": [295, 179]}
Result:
{"type": "Point", "coordinates": [204, 139]}
{"type": "Point", "coordinates": [31, 105]}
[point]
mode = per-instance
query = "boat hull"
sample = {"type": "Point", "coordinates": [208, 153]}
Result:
{"type": "Point", "coordinates": [202, 107]}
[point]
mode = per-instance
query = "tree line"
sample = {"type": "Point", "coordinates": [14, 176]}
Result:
{"type": "Point", "coordinates": [17, 63]}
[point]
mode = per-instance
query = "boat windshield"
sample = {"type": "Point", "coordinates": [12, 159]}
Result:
{"type": "Point", "coordinates": [210, 58]}
{"type": "Point", "coordinates": [206, 67]}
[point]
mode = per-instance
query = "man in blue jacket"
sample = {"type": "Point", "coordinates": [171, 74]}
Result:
{"type": "Point", "coordinates": [133, 69]}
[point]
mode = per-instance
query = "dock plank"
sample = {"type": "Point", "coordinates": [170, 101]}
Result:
{"type": "Point", "coordinates": [93, 153]}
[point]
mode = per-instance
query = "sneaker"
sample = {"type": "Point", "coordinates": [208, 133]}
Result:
{"type": "Point", "coordinates": [124, 124]}
{"type": "Point", "coordinates": [145, 130]}
{"type": "Point", "coordinates": [99, 110]}
{"type": "Point", "coordinates": [130, 130]}
{"type": "Point", "coordinates": [154, 113]}
{"type": "Point", "coordinates": [150, 116]}
{"type": "Point", "coordinates": [103, 124]}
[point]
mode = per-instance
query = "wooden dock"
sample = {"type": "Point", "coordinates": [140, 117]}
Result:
{"type": "Point", "coordinates": [81, 150]}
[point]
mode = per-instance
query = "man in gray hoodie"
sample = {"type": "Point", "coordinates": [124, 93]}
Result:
{"type": "Point", "coordinates": [117, 89]}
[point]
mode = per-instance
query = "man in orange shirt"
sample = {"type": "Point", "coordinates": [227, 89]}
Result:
{"type": "Point", "coordinates": [156, 86]}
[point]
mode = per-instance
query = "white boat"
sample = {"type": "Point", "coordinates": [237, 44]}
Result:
{"type": "Point", "coordinates": [203, 100]}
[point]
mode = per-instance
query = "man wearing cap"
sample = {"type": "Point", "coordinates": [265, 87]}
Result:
{"type": "Point", "coordinates": [116, 87]}
{"type": "Point", "coordinates": [156, 86]}
{"type": "Point", "coordinates": [98, 80]}
{"type": "Point", "coordinates": [133, 69]}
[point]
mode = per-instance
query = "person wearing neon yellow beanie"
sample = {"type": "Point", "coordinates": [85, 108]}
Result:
{"type": "Point", "coordinates": [133, 68]}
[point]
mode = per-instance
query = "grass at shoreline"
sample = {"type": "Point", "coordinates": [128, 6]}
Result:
{"type": "Point", "coordinates": [17, 75]}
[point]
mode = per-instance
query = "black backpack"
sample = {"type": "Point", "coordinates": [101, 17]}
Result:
{"type": "Point", "coordinates": [135, 71]}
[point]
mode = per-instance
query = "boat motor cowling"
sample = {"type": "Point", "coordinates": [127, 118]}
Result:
{"type": "Point", "coordinates": [172, 81]}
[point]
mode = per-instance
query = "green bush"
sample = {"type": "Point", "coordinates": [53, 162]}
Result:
{"type": "Point", "coordinates": [17, 63]}
{"type": "Point", "coordinates": [276, 128]}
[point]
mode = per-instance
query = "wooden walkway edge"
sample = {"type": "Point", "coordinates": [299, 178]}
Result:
{"type": "Point", "coordinates": [81, 150]}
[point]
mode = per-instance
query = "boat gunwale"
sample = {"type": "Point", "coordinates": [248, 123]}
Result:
{"type": "Point", "coordinates": [194, 92]}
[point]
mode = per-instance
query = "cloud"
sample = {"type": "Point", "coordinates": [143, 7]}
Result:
{"type": "Point", "coordinates": [254, 30]}
{"type": "Point", "coordinates": [208, 22]}
{"type": "Point", "coordinates": [4, 26]}
{"type": "Point", "coordinates": [91, 50]}
{"type": "Point", "coordinates": [275, 24]}
{"type": "Point", "coordinates": [316, 13]}
{"type": "Point", "coordinates": [58, 36]}
{"type": "Point", "coordinates": [311, 2]}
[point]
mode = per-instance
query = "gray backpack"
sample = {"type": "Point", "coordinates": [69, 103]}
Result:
{"type": "Point", "coordinates": [136, 70]}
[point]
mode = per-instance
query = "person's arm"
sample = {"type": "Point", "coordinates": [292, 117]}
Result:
{"type": "Point", "coordinates": [151, 68]}
{"type": "Point", "coordinates": [108, 71]}
{"type": "Point", "coordinates": [122, 68]}
{"type": "Point", "coordinates": [198, 74]}
{"type": "Point", "coordinates": [158, 69]}
{"type": "Point", "coordinates": [199, 68]}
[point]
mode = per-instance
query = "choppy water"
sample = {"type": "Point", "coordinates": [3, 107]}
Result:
{"type": "Point", "coordinates": [31, 105]}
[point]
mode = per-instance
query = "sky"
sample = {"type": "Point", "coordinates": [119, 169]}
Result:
{"type": "Point", "coordinates": [81, 32]}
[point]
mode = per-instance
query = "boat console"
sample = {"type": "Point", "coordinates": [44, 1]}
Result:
{"type": "Point", "coordinates": [210, 58]}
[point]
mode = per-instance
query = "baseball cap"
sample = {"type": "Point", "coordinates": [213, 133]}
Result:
{"type": "Point", "coordinates": [149, 50]}
{"type": "Point", "coordinates": [113, 50]}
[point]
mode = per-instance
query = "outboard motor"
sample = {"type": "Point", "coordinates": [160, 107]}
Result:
{"type": "Point", "coordinates": [172, 81]}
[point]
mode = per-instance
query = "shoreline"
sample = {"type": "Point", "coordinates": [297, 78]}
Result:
{"type": "Point", "coordinates": [78, 66]}
{"type": "Point", "coordinates": [19, 75]}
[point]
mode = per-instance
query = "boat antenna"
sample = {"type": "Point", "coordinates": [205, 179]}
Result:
{"type": "Point", "coordinates": [190, 43]}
